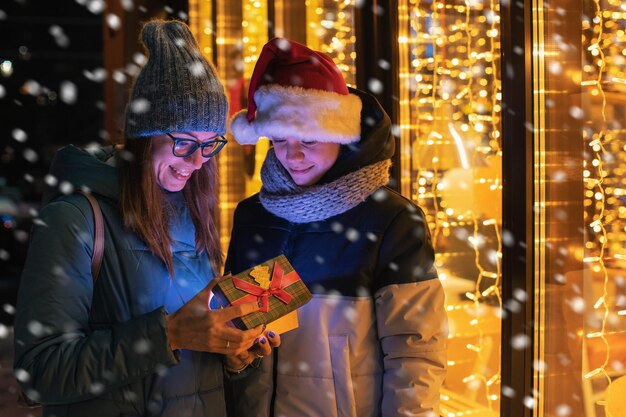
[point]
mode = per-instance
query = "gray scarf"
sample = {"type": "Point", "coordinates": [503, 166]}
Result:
{"type": "Point", "coordinates": [284, 198]}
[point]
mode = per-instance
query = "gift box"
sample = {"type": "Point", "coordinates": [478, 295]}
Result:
{"type": "Point", "coordinates": [274, 283]}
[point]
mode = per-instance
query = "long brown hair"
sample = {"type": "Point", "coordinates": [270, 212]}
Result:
{"type": "Point", "coordinates": [143, 208]}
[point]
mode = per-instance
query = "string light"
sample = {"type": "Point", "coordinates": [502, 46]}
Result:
{"type": "Point", "coordinates": [603, 43]}
{"type": "Point", "coordinates": [330, 29]}
{"type": "Point", "coordinates": [449, 126]}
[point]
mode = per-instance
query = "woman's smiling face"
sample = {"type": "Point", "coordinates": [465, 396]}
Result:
{"type": "Point", "coordinates": [173, 172]}
{"type": "Point", "coordinates": [306, 161]}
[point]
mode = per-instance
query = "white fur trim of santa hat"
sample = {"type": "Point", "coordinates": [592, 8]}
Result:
{"type": "Point", "coordinates": [302, 113]}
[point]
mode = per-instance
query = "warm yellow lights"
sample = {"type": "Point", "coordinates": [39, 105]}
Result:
{"type": "Point", "coordinates": [330, 28]}
{"type": "Point", "coordinates": [604, 76]}
{"type": "Point", "coordinates": [450, 120]}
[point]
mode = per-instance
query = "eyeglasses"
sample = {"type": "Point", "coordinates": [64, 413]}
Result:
{"type": "Point", "coordinates": [185, 147]}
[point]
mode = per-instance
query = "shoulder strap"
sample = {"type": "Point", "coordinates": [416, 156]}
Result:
{"type": "Point", "coordinates": [98, 238]}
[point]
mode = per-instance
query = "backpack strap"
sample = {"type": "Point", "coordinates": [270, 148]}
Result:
{"type": "Point", "coordinates": [98, 238]}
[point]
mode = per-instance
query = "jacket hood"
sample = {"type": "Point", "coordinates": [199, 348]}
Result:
{"type": "Point", "coordinates": [376, 143]}
{"type": "Point", "coordinates": [82, 168]}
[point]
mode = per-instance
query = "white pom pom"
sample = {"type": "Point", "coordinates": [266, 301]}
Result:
{"type": "Point", "coordinates": [242, 130]}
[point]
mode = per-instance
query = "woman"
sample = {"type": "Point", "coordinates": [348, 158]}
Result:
{"type": "Point", "coordinates": [372, 340]}
{"type": "Point", "coordinates": [141, 341]}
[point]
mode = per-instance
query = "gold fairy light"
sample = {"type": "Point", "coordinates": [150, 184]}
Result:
{"type": "Point", "coordinates": [330, 29]}
{"type": "Point", "coordinates": [449, 127]}
{"type": "Point", "coordinates": [230, 36]}
{"type": "Point", "coordinates": [201, 24]}
{"type": "Point", "coordinates": [254, 32]}
{"type": "Point", "coordinates": [200, 12]}
{"type": "Point", "coordinates": [604, 43]}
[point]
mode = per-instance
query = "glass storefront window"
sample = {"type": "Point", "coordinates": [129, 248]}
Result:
{"type": "Point", "coordinates": [330, 29]}
{"type": "Point", "coordinates": [322, 25]}
{"type": "Point", "coordinates": [451, 166]}
{"type": "Point", "coordinates": [239, 33]}
{"type": "Point", "coordinates": [580, 226]}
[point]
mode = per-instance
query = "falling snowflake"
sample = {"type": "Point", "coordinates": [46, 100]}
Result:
{"type": "Point", "coordinates": [21, 375]}
{"type": "Point", "coordinates": [139, 58]}
{"type": "Point", "coordinates": [30, 155]}
{"type": "Point", "coordinates": [142, 346]}
{"type": "Point", "coordinates": [113, 21]}
{"type": "Point", "coordinates": [95, 6]}
{"type": "Point", "coordinates": [375, 86]}
{"type": "Point", "coordinates": [59, 36]}
{"type": "Point", "coordinates": [127, 5]}
{"type": "Point", "coordinates": [97, 75]}
{"type": "Point", "coordinates": [32, 87]}
{"type": "Point", "coordinates": [283, 44]}
{"type": "Point", "coordinates": [336, 227]}
{"type": "Point", "coordinates": [529, 402]}
{"type": "Point", "coordinates": [379, 195]}
{"type": "Point", "coordinates": [563, 410]}
{"type": "Point", "coordinates": [196, 68]}
{"type": "Point", "coordinates": [96, 388]}
{"type": "Point", "coordinates": [304, 367]}
{"type": "Point", "coordinates": [508, 392]}
{"type": "Point", "coordinates": [576, 112]}
{"type": "Point", "coordinates": [19, 135]}
{"type": "Point", "coordinates": [352, 234]}
{"type": "Point", "coordinates": [50, 180]}
{"type": "Point", "coordinates": [520, 341]}
{"type": "Point", "coordinates": [35, 328]}
{"type": "Point", "coordinates": [507, 238]}
{"type": "Point", "coordinates": [119, 77]}
{"type": "Point", "coordinates": [66, 187]}
{"type": "Point", "coordinates": [68, 92]}
{"type": "Point", "coordinates": [520, 294]}
{"type": "Point", "coordinates": [140, 105]}
{"type": "Point", "coordinates": [350, 314]}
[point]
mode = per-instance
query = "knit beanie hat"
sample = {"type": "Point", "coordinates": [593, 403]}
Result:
{"type": "Point", "coordinates": [177, 89]}
{"type": "Point", "coordinates": [297, 92]}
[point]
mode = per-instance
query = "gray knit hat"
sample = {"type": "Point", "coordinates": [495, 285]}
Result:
{"type": "Point", "coordinates": [177, 89]}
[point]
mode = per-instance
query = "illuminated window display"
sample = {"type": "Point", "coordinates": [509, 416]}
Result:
{"type": "Point", "coordinates": [449, 126]}
{"type": "Point", "coordinates": [330, 29]}
{"type": "Point", "coordinates": [580, 226]}
{"type": "Point", "coordinates": [451, 166]}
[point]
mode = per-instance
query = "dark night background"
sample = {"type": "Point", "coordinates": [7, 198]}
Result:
{"type": "Point", "coordinates": [47, 101]}
{"type": "Point", "coordinates": [52, 83]}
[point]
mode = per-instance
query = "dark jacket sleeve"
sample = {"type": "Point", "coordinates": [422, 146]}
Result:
{"type": "Point", "coordinates": [411, 318]}
{"type": "Point", "coordinates": [59, 359]}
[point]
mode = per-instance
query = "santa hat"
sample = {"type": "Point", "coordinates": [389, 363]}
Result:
{"type": "Point", "coordinates": [297, 92]}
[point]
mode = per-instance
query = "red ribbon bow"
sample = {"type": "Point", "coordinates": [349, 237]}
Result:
{"type": "Point", "coordinates": [261, 294]}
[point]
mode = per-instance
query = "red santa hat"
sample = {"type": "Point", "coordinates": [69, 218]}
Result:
{"type": "Point", "coordinates": [297, 92]}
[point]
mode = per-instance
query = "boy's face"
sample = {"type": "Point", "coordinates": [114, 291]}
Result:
{"type": "Point", "coordinates": [306, 161]}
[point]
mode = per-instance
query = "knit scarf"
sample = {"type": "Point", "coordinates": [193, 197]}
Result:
{"type": "Point", "coordinates": [284, 198]}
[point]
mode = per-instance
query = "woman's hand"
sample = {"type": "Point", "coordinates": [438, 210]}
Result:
{"type": "Point", "coordinates": [196, 327]}
{"type": "Point", "coordinates": [262, 347]}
